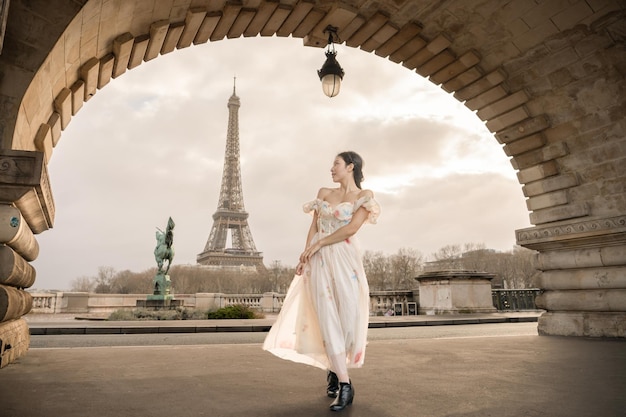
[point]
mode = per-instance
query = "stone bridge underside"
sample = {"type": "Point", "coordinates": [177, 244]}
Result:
{"type": "Point", "coordinates": [546, 77]}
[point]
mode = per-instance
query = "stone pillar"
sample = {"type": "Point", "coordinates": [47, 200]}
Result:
{"type": "Point", "coordinates": [583, 276]}
{"type": "Point", "coordinates": [270, 302]}
{"type": "Point", "coordinates": [453, 292]}
{"type": "Point", "coordinates": [209, 301]}
{"type": "Point", "coordinates": [26, 208]}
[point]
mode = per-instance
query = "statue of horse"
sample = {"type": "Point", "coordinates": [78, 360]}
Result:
{"type": "Point", "coordinates": [164, 250]}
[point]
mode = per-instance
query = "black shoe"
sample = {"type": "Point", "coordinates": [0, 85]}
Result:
{"type": "Point", "coordinates": [344, 397]}
{"type": "Point", "coordinates": [333, 384]}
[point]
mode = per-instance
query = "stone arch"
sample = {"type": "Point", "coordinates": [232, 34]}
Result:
{"type": "Point", "coordinates": [547, 80]}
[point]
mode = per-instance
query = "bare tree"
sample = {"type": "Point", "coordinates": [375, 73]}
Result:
{"type": "Point", "coordinates": [377, 270]}
{"type": "Point", "coordinates": [83, 284]}
{"type": "Point", "coordinates": [104, 280]}
{"type": "Point", "coordinates": [447, 257]}
{"type": "Point", "coordinates": [406, 264]}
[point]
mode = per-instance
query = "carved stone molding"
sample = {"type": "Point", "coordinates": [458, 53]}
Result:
{"type": "Point", "coordinates": [24, 182]}
{"type": "Point", "coordinates": [582, 234]}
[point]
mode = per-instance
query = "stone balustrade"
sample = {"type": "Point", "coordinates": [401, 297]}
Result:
{"type": "Point", "coordinates": [380, 301]}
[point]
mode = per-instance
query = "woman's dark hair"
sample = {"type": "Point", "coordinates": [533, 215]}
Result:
{"type": "Point", "coordinates": [353, 158]}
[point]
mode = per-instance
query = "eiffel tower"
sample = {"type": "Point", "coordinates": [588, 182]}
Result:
{"type": "Point", "coordinates": [231, 215]}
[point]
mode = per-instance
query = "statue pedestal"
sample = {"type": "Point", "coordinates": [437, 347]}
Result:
{"type": "Point", "coordinates": [455, 292]}
{"type": "Point", "coordinates": [161, 298]}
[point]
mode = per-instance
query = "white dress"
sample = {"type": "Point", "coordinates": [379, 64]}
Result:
{"type": "Point", "coordinates": [326, 309]}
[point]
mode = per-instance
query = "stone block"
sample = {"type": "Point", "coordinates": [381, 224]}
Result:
{"type": "Point", "coordinates": [229, 15]}
{"type": "Point", "coordinates": [15, 271]}
{"type": "Point", "coordinates": [209, 301]}
{"type": "Point", "coordinates": [158, 32]}
{"type": "Point", "coordinates": [122, 48]}
{"type": "Point", "coordinates": [486, 83]}
{"type": "Point", "coordinates": [525, 144]}
{"type": "Point", "coordinates": [517, 27]}
{"type": "Point", "coordinates": [558, 182]}
{"type": "Point", "coordinates": [503, 105]}
{"type": "Point", "coordinates": [14, 341]}
{"type": "Point", "coordinates": [367, 30]}
{"type": "Point", "coordinates": [536, 35]}
{"type": "Point", "coordinates": [63, 106]}
{"type": "Point", "coordinates": [172, 37]}
{"type": "Point", "coordinates": [89, 74]}
{"type": "Point", "coordinates": [436, 63]}
{"type": "Point", "coordinates": [555, 214]}
{"type": "Point", "coordinates": [488, 97]}
{"type": "Point", "coordinates": [465, 61]}
{"type": "Point", "coordinates": [453, 292]}
{"type": "Point", "coordinates": [262, 15]}
{"type": "Point", "coordinates": [14, 303]}
{"type": "Point", "coordinates": [432, 49]}
{"type": "Point", "coordinates": [380, 37]}
{"type": "Point", "coordinates": [584, 278]}
{"type": "Point", "coordinates": [593, 257]}
{"type": "Point", "coordinates": [241, 23]}
{"type": "Point", "coordinates": [78, 95]}
{"type": "Point", "coordinates": [308, 24]}
{"type": "Point", "coordinates": [193, 20]}
{"type": "Point", "coordinates": [613, 300]}
{"type": "Point", "coordinates": [463, 80]}
{"type": "Point", "coordinates": [557, 198]}
{"type": "Point", "coordinates": [555, 61]}
{"type": "Point", "coordinates": [351, 28]}
{"type": "Point", "coordinates": [298, 14]}
{"type": "Point", "coordinates": [15, 233]}
{"type": "Point", "coordinates": [140, 46]}
{"type": "Point", "coordinates": [207, 27]}
{"type": "Point", "coordinates": [537, 15]}
{"type": "Point", "coordinates": [54, 121]}
{"type": "Point", "coordinates": [106, 70]}
{"type": "Point", "coordinates": [507, 119]}
{"type": "Point", "coordinates": [538, 172]}
{"type": "Point", "coordinates": [43, 141]}
{"type": "Point", "coordinates": [276, 20]}
{"type": "Point", "coordinates": [409, 49]}
{"type": "Point", "coordinates": [591, 44]}
{"type": "Point", "coordinates": [570, 16]}
{"type": "Point", "coordinates": [75, 302]}
{"type": "Point", "coordinates": [582, 324]}
{"type": "Point", "coordinates": [536, 157]}
{"type": "Point", "coordinates": [406, 33]}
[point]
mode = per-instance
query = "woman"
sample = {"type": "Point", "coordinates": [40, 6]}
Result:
{"type": "Point", "coordinates": [324, 318]}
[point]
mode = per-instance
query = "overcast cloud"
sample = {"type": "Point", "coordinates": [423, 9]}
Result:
{"type": "Point", "coordinates": [151, 145]}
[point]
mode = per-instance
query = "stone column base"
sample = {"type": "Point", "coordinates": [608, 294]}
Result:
{"type": "Point", "coordinates": [14, 341]}
{"type": "Point", "coordinates": [586, 324]}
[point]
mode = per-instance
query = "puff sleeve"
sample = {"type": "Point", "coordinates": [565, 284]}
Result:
{"type": "Point", "coordinates": [371, 205]}
{"type": "Point", "coordinates": [312, 206]}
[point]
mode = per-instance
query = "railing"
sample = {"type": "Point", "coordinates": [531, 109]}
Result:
{"type": "Point", "coordinates": [381, 302]}
{"type": "Point", "coordinates": [250, 300]}
{"type": "Point", "coordinates": [515, 300]}
{"type": "Point", "coordinates": [393, 302]}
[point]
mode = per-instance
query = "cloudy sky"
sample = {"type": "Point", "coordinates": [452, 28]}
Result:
{"type": "Point", "coordinates": [151, 145]}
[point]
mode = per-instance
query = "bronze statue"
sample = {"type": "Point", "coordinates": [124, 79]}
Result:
{"type": "Point", "coordinates": [164, 250]}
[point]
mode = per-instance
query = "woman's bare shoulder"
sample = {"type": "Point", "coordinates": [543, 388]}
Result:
{"type": "Point", "coordinates": [366, 193]}
{"type": "Point", "coordinates": [323, 192]}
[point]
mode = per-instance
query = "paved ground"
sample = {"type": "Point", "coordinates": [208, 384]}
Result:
{"type": "Point", "coordinates": [468, 376]}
